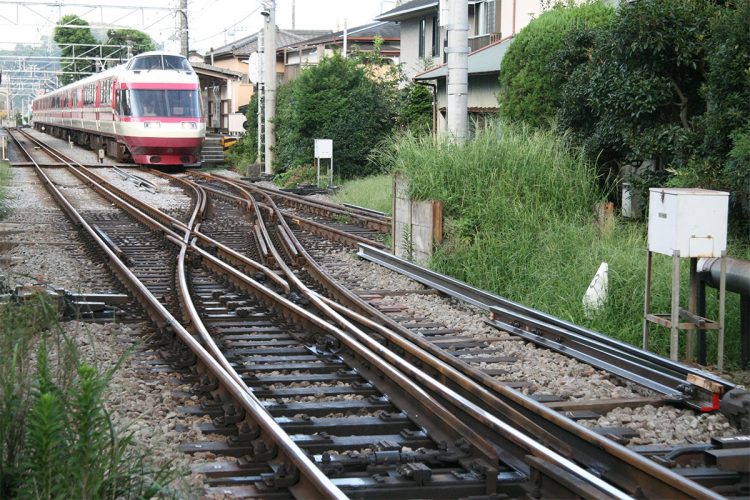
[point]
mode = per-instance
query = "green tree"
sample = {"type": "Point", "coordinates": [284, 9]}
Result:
{"type": "Point", "coordinates": [723, 156]}
{"type": "Point", "coordinates": [416, 109]}
{"type": "Point", "coordinates": [76, 48]}
{"type": "Point", "coordinates": [636, 94]}
{"type": "Point", "coordinates": [529, 91]}
{"type": "Point", "coordinates": [140, 41]}
{"type": "Point", "coordinates": [334, 100]}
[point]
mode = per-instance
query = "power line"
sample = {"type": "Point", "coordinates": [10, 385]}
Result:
{"type": "Point", "coordinates": [228, 27]}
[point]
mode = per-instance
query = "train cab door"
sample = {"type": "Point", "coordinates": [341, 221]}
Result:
{"type": "Point", "coordinates": [97, 103]}
{"type": "Point", "coordinates": [115, 148]}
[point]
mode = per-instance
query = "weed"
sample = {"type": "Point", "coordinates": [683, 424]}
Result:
{"type": "Point", "coordinates": [520, 223]}
{"type": "Point", "coordinates": [374, 192]}
{"type": "Point", "coordinates": [58, 440]}
{"type": "Point", "coordinates": [4, 178]}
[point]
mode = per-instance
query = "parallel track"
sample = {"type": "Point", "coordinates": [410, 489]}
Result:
{"type": "Point", "coordinates": [283, 347]}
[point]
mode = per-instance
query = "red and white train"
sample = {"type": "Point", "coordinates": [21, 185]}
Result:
{"type": "Point", "coordinates": [148, 109]}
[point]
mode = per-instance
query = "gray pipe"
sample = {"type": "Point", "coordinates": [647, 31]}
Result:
{"type": "Point", "coordinates": [738, 274]}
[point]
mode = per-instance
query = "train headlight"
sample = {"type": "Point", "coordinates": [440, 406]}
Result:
{"type": "Point", "coordinates": [192, 125]}
{"type": "Point", "coordinates": [151, 124]}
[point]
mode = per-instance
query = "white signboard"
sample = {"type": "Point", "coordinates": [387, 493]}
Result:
{"type": "Point", "coordinates": [324, 148]}
{"type": "Point", "coordinates": [253, 67]}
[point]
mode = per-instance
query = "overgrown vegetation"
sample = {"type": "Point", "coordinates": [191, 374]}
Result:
{"type": "Point", "coordinates": [664, 89]}
{"type": "Point", "coordinates": [520, 221]}
{"type": "Point", "coordinates": [375, 192]}
{"type": "Point", "coordinates": [57, 438]}
{"type": "Point", "coordinates": [529, 91]}
{"type": "Point", "coordinates": [4, 177]}
{"type": "Point", "coordinates": [336, 99]}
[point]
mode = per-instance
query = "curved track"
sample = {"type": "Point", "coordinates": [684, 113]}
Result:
{"type": "Point", "coordinates": [317, 391]}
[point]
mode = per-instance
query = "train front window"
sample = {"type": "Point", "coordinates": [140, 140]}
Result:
{"type": "Point", "coordinates": [165, 103]}
{"type": "Point", "coordinates": [176, 62]}
{"type": "Point", "coordinates": [146, 62]}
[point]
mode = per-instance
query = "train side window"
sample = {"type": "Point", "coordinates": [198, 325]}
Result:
{"type": "Point", "coordinates": [123, 101]}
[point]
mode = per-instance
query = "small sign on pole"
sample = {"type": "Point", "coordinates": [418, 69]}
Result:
{"type": "Point", "coordinates": [324, 149]}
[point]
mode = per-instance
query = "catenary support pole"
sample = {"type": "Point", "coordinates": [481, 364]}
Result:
{"type": "Point", "coordinates": [184, 28]}
{"type": "Point", "coordinates": [458, 70]}
{"type": "Point", "coordinates": [270, 82]}
{"type": "Point", "coordinates": [261, 84]}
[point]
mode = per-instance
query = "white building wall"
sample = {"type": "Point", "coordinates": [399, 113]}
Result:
{"type": "Point", "coordinates": [411, 64]}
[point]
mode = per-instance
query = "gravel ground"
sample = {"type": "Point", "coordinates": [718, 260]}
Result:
{"type": "Point", "coordinates": [142, 401]}
{"type": "Point", "coordinates": [168, 198]}
{"type": "Point", "coordinates": [85, 156]}
{"type": "Point", "coordinates": [547, 371]}
{"type": "Point", "coordinates": [39, 245]}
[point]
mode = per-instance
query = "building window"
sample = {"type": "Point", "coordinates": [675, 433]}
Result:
{"type": "Point", "coordinates": [486, 17]}
{"type": "Point", "coordinates": [422, 30]}
{"type": "Point", "coordinates": [435, 37]}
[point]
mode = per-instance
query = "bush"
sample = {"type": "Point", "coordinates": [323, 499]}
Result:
{"type": "Point", "coordinates": [416, 109]}
{"type": "Point", "coordinates": [529, 91]}
{"type": "Point", "coordinates": [334, 100]}
{"type": "Point", "coordinates": [519, 222]}
{"type": "Point", "coordinates": [58, 440]}
{"type": "Point", "coordinates": [667, 82]}
{"type": "Point", "coordinates": [725, 126]}
{"type": "Point", "coordinates": [304, 174]}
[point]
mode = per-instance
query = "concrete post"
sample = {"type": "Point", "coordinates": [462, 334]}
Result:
{"type": "Point", "coordinates": [458, 70]}
{"type": "Point", "coordinates": [261, 83]}
{"type": "Point", "coordinates": [270, 82]}
{"type": "Point", "coordinates": [184, 28]}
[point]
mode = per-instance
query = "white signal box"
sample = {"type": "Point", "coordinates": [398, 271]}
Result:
{"type": "Point", "coordinates": [691, 221]}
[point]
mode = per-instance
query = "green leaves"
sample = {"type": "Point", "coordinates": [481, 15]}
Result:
{"type": "Point", "coordinates": [76, 46]}
{"type": "Point", "coordinates": [56, 437]}
{"type": "Point", "coordinates": [337, 99]}
{"type": "Point", "coordinates": [666, 81]}
{"type": "Point", "coordinates": [529, 91]}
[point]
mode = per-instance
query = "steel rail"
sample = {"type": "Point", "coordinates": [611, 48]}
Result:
{"type": "Point", "coordinates": [315, 482]}
{"type": "Point", "coordinates": [314, 227]}
{"type": "Point", "coordinates": [660, 374]}
{"type": "Point", "coordinates": [372, 221]}
{"type": "Point", "coordinates": [430, 403]}
{"type": "Point", "coordinates": [337, 312]}
{"type": "Point", "coordinates": [619, 464]}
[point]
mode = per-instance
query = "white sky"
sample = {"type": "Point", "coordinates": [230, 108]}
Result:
{"type": "Point", "coordinates": [212, 23]}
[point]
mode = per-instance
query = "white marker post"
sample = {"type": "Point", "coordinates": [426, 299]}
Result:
{"type": "Point", "coordinates": [324, 149]}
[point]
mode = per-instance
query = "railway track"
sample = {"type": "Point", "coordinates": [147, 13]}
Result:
{"type": "Point", "coordinates": [668, 383]}
{"type": "Point", "coordinates": [304, 376]}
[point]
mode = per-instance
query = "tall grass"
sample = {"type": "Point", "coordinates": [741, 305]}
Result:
{"type": "Point", "coordinates": [57, 438]}
{"type": "Point", "coordinates": [520, 222]}
{"type": "Point", "coordinates": [375, 192]}
{"type": "Point", "coordinates": [4, 178]}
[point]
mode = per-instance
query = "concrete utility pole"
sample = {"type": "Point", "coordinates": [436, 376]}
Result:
{"type": "Point", "coordinates": [184, 27]}
{"type": "Point", "coordinates": [458, 70]}
{"type": "Point", "coordinates": [270, 80]}
{"type": "Point", "coordinates": [261, 63]}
